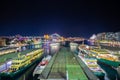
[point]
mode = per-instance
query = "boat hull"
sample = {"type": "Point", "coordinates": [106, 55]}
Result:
{"type": "Point", "coordinates": [109, 63]}
{"type": "Point", "coordinates": [100, 75]}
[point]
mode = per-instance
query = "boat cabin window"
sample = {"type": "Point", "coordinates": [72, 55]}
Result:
{"type": "Point", "coordinates": [15, 63]}
{"type": "Point", "coordinates": [14, 69]}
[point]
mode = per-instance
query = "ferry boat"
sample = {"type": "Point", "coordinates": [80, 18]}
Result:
{"type": "Point", "coordinates": [21, 64]}
{"type": "Point", "coordinates": [40, 67]}
{"type": "Point", "coordinates": [103, 56]}
{"type": "Point", "coordinates": [93, 66]}
{"type": "Point", "coordinates": [90, 60]}
{"type": "Point", "coordinates": [7, 51]}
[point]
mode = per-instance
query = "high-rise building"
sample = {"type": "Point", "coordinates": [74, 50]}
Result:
{"type": "Point", "coordinates": [111, 36]}
{"type": "Point", "coordinates": [117, 36]}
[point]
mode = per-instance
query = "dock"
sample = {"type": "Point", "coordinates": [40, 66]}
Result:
{"type": "Point", "coordinates": [64, 65]}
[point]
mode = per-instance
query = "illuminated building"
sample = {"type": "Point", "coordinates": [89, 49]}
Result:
{"type": "Point", "coordinates": [2, 42]}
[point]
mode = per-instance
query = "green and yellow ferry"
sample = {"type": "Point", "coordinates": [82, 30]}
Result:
{"type": "Point", "coordinates": [21, 64]}
{"type": "Point", "coordinates": [103, 56]}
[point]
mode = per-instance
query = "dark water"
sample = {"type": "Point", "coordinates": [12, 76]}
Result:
{"type": "Point", "coordinates": [111, 73]}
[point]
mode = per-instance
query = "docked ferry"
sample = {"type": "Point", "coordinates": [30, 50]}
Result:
{"type": "Point", "coordinates": [93, 66]}
{"type": "Point", "coordinates": [8, 50]}
{"type": "Point", "coordinates": [21, 64]}
{"type": "Point", "coordinates": [103, 56]}
{"type": "Point", "coordinates": [91, 61]}
{"type": "Point", "coordinates": [40, 67]}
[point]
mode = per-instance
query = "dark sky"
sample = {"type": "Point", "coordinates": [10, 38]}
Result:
{"type": "Point", "coordinates": [67, 18]}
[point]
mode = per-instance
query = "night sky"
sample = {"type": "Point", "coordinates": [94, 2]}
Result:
{"type": "Point", "coordinates": [67, 18]}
